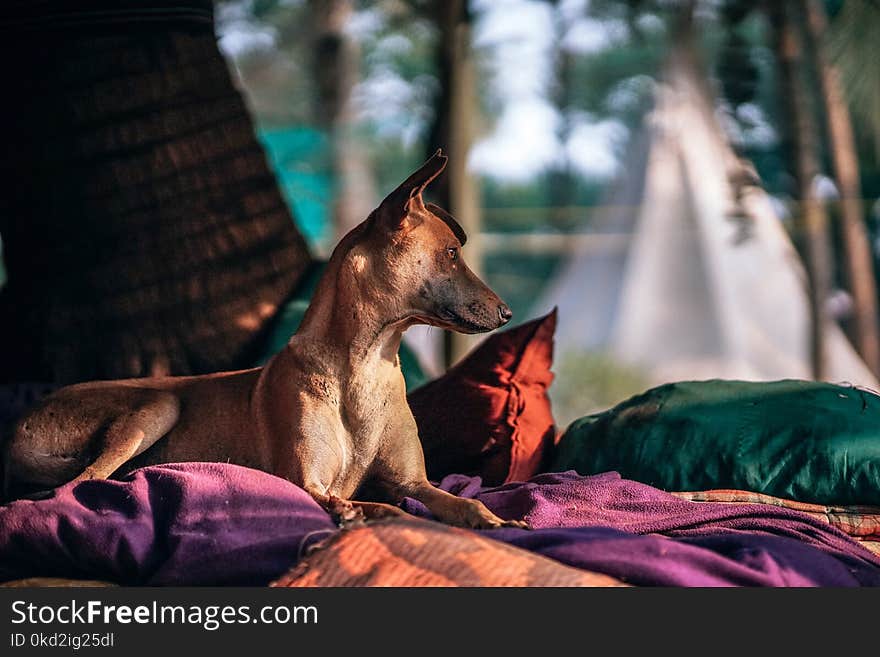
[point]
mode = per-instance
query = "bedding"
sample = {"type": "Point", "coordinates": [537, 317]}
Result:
{"type": "Point", "coordinates": [188, 524]}
{"type": "Point", "coordinates": [419, 553]}
{"type": "Point", "coordinates": [861, 522]}
{"type": "Point", "coordinates": [221, 524]}
{"type": "Point", "coordinates": [800, 440]}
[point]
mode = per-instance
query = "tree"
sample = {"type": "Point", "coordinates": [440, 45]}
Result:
{"type": "Point", "coordinates": [854, 49]}
{"type": "Point", "coordinates": [453, 131]}
{"type": "Point", "coordinates": [335, 60]}
{"type": "Point", "coordinates": [857, 250]}
{"type": "Point", "coordinates": [143, 232]}
{"type": "Point", "coordinates": [798, 108]}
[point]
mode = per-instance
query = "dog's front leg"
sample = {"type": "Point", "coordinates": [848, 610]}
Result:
{"type": "Point", "coordinates": [400, 472]}
{"type": "Point", "coordinates": [317, 467]}
{"type": "Point", "coordinates": [346, 512]}
{"type": "Point", "coordinates": [459, 511]}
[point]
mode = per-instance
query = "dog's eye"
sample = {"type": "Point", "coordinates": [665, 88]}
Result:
{"type": "Point", "coordinates": [452, 252]}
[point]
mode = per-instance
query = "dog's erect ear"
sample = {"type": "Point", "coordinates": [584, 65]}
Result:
{"type": "Point", "coordinates": [417, 182]}
{"type": "Point", "coordinates": [394, 210]}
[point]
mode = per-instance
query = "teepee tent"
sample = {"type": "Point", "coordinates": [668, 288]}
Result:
{"type": "Point", "coordinates": [700, 280]}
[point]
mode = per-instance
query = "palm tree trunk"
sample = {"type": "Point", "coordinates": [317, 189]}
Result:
{"type": "Point", "coordinates": [813, 218]}
{"type": "Point", "coordinates": [143, 231]}
{"type": "Point", "coordinates": [857, 249]}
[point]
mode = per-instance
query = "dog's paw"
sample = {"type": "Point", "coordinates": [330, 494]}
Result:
{"type": "Point", "coordinates": [518, 524]}
{"type": "Point", "coordinates": [344, 513]}
{"type": "Point", "coordinates": [476, 516]}
{"type": "Point", "coordinates": [498, 523]}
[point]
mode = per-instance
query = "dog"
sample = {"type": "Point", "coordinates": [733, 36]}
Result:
{"type": "Point", "coordinates": [328, 412]}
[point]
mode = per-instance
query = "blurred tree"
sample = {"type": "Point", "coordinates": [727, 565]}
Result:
{"type": "Point", "coordinates": [857, 258]}
{"type": "Point", "coordinates": [335, 64]}
{"type": "Point", "coordinates": [453, 131]}
{"type": "Point", "coordinates": [560, 178]}
{"type": "Point", "coordinates": [855, 49]}
{"type": "Point", "coordinates": [787, 19]}
{"type": "Point", "coordinates": [143, 231]}
{"type": "Point", "coordinates": [608, 78]}
{"type": "Point", "coordinates": [360, 73]}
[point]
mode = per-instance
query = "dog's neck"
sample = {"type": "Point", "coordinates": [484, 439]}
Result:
{"type": "Point", "coordinates": [350, 315]}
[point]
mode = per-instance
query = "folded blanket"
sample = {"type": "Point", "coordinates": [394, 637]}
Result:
{"type": "Point", "coordinates": [859, 521]}
{"type": "Point", "coordinates": [199, 523]}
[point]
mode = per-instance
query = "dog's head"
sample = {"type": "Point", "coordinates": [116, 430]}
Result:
{"type": "Point", "coordinates": [414, 249]}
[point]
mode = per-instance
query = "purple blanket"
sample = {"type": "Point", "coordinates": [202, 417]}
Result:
{"type": "Point", "coordinates": [645, 536]}
{"type": "Point", "coordinates": [200, 523]}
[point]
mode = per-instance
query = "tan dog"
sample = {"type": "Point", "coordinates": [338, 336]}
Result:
{"type": "Point", "coordinates": [329, 412]}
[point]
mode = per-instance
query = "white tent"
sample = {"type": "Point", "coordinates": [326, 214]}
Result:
{"type": "Point", "coordinates": [703, 281]}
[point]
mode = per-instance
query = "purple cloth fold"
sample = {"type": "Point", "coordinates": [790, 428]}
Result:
{"type": "Point", "coordinates": [182, 524]}
{"type": "Point", "coordinates": [645, 536]}
{"type": "Point", "coordinates": [201, 523]}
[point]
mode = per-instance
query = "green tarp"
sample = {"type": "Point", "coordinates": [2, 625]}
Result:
{"type": "Point", "coordinates": [300, 158]}
{"type": "Point", "coordinates": [814, 442]}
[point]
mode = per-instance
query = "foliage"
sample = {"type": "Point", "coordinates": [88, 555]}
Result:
{"type": "Point", "coordinates": [855, 49]}
{"type": "Point", "coordinates": [589, 382]}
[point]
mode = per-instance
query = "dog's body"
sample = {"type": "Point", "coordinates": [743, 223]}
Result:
{"type": "Point", "coordinates": [328, 412]}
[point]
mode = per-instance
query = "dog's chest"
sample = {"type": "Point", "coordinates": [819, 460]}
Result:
{"type": "Point", "coordinates": [369, 411]}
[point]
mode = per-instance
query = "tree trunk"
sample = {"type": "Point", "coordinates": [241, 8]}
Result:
{"type": "Point", "coordinates": [560, 183]}
{"type": "Point", "coordinates": [143, 231]}
{"type": "Point", "coordinates": [335, 71]}
{"type": "Point", "coordinates": [453, 131]}
{"type": "Point", "coordinates": [813, 218]}
{"type": "Point", "coordinates": [857, 249]}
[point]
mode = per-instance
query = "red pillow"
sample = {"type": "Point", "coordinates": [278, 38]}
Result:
{"type": "Point", "coordinates": [490, 414]}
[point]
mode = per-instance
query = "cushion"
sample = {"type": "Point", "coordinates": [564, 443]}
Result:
{"type": "Point", "coordinates": [490, 415]}
{"type": "Point", "coordinates": [799, 440]}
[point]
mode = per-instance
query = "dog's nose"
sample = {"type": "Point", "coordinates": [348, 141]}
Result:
{"type": "Point", "coordinates": [505, 313]}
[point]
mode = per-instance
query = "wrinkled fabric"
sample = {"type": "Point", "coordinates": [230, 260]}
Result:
{"type": "Point", "coordinates": [644, 536]}
{"type": "Point", "coordinates": [182, 524]}
{"type": "Point", "coordinates": [220, 524]}
{"type": "Point", "coordinates": [799, 440]}
{"type": "Point", "coordinates": [410, 552]}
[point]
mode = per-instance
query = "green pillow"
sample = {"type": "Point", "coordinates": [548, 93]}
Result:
{"type": "Point", "coordinates": [801, 440]}
{"type": "Point", "coordinates": [291, 314]}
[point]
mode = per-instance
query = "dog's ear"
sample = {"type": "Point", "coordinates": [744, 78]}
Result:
{"type": "Point", "coordinates": [394, 211]}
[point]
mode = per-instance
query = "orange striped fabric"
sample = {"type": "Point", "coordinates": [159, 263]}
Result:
{"type": "Point", "coordinates": [405, 552]}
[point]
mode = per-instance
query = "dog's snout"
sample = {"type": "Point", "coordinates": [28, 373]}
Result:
{"type": "Point", "coordinates": [504, 313]}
